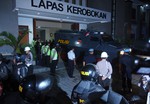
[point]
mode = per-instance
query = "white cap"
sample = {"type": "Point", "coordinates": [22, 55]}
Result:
{"type": "Point", "coordinates": [104, 55]}
{"type": "Point", "coordinates": [27, 49]}
{"type": "Point", "coordinates": [91, 50]}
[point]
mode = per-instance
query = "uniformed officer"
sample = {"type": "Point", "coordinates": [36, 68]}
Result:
{"type": "Point", "coordinates": [71, 62]}
{"type": "Point", "coordinates": [40, 88]}
{"type": "Point", "coordinates": [47, 54]}
{"type": "Point", "coordinates": [90, 58]}
{"type": "Point", "coordinates": [125, 67]}
{"type": "Point", "coordinates": [4, 73]}
{"type": "Point", "coordinates": [87, 90]}
{"type": "Point", "coordinates": [38, 52]}
{"type": "Point", "coordinates": [54, 59]}
{"type": "Point", "coordinates": [20, 70]}
{"type": "Point", "coordinates": [43, 53]}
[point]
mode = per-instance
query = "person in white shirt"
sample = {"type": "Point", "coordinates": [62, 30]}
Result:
{"type": "Point", "coordinates": [104, 69]}
{"type": "Point", "coordinates": [71, 62]}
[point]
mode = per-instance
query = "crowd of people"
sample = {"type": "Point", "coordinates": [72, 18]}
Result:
{"type": "Point", "coordinates": [48, 54]}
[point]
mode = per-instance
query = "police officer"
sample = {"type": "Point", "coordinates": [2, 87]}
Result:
{"type": "Point", "coordinates": [90, 58]}
{"type": "Point", "coordinates": [125, 67]}
{"type": "Point", "coordinates": [38, 51]}
{"type": "Point", "coordinates": [4, 73]}
{"type": "Point", "coordinates": [71, 62]}
{"type": "Point", "coordinates": [47, 54]}
{"type": "Point", "coordinates": [82, 92]}
{"type": "Point", "coordinates": [54, 59]}
{"type": "Point", "coordinates": [43, 53]}
{"type": "Point", "coordinates": [87, 91]}
{"type": "Point", "coordinates": [20, 70]}
{"type": "Point", "coordinates": [42, 88]}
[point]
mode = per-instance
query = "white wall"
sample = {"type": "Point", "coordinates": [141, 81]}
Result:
{"type": "Point", "coordinates": [27, 22]}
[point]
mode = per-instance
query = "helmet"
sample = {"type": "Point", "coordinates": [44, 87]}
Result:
{"type": "Point", "coordinates": [91, 50]}
{"type": "Point", "coordinates": [27, 48]}
{"type": "Point", "coordinates": [104, 55]}
{"type": "Point", "coordinates": [88, 72]}
{"type": "Point", "coordinates": [34, 86]}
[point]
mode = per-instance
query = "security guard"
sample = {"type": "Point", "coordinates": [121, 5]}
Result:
{"type": "Point", "coordinates": [125, 67]}
{"type": "Point", "coordinates": [87, 91]}
{"type": "Point", "coordinates": [47, 54]}
{"type": "Point", "coordinates": [43, 53]}
{"type": "Point", "coordinates": [82, 92]}
{"type": "Point", "coordinates": [54, 59]}
{"type": "Point", "coordinates": [71, 62]}
{"type": "Point", "coordinates": [4, 74]}
{"type": "Point", "coordinates": [20, 70]}
{"type": "Point", "coordinates": [42, 88]}
{"type": "Point", "coordinates": [4, 71]}
{"type": "Point", "coordinates": [89, 58]}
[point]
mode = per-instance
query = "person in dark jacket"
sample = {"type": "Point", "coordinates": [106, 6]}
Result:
{"type": "Point", "coordinates": [90, 58]}
{"type": "Point", "coordinates": [4, 73]}
{"type": "Point", "coordinates": [125, 67]}
{"type": "Point", "coordinates": [20, 71]}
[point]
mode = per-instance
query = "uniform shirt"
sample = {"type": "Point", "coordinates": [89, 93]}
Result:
{"type": "Point", "coordinates": [104, 68]}
{"type": "Point", "coordinates": [46, 49]}
{"type": "Point", "coordinates": [54, 54]}
{"type": "Point", "coordinates": [126, 60]}
{"type": "Point", "coordinates": [90, 59]}
{"type": "Point", "coordinates": [43, 49]}
{"type": "Point", "coordinates": [71, 55]}
{"type": "Point", "coordinates": [48, 53]}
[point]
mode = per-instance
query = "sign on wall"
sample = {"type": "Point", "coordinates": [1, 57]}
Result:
{"type": "Point", "coordinates": [53, 6]}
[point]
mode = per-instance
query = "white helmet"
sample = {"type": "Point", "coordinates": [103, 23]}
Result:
{"type": "Point", "coordinates": [27, 48]}
{"type": "Point", "coordinates": [104, 55]}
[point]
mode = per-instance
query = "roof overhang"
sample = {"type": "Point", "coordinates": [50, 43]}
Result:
{"type": "Point", "coordinates": [61, 11]}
